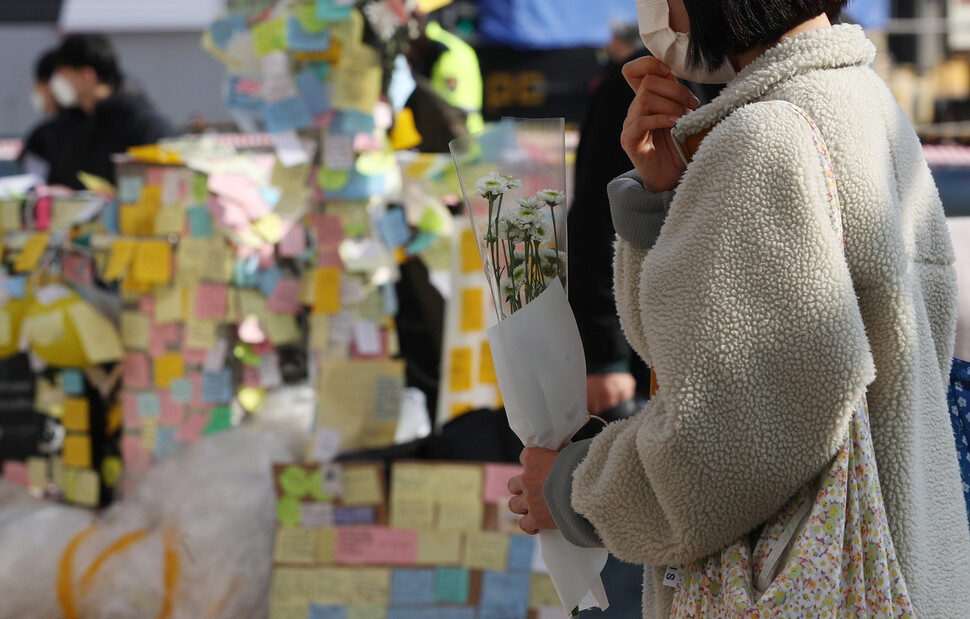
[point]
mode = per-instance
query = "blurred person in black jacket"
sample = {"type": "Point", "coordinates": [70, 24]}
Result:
{"type": "Point", "coordinates": [41, 98]}
{"type": "Point", "coordinates": [101, 115]}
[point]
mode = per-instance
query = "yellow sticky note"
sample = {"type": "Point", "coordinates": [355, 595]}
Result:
{"type": "Point", "coordinates": [461, 369]}
{"type": "Point", "coordinates": [98, 335]}
{"type": "Point", "coordinates": [319, 331]}
{"type": "Point", "coordinates": [32, 252]}
{"type": "Point", "coordinates": [405, 134]}
{"type": "Point", "coordinates": [427, 6]}
{"type": "Point", "coordinates": [269, 36]}
{"type": "Point", "coordinates": [135, 327]}
{"type": "Point", "coordinates": [149, 433]}
{"type": "Point", "coordinates": [153, 262]}
{"type": "Point", "coordinates": [10, 218]}
{"type": "Point", "coordinates": [542, 592]}
{"type": "Point", "coordinates": [370, 586]}
{"type": "Point", "coordinates": [151, 196]}
{"type": "Point", "coordinates": [326, 291]}
{"type": "Point", "coordinates": [87, 488]}
{"type": "Point", "coordinates": [461, 515]}
{"type": "Point", "coordinates": [486, 371]}
{"type": "Point", "coordinates": [326, 546]}
{"type": "Point", "coordinates": [201, 334]}
{"type": "Point", "coordinates": [44, 329]}
{"type": "Point", "coordinates": [439, 547]}
{"type": "Point", "coordinates": [485, 550]}
{"type": "Point", "coordinates": [472, 312]}
{"type": "Point", "coordinates": [291, 586]}
{"type": "Point", "coordinates": [168, 306]}
{"type": "Point", "coordinates": [277, 610]}
{"type": "Point", "coordinates": [77, 415]}
{"type": "Point", "coordinates": [470, 259]}
{"type": "Point", "coordinates": [168, 367]}
{"type": "Point", "coordinates": [6, 328]}
{"type": "Point", "coordinates": [362, 486]}
{"type": "Point", "coordinates": [332, 585]}
{"type": "Point", "coordinates": [412, 496]}
{"type": "Point", "coordinates": [77, 450]}
{"type": "Point", "coordinates": [270, 228]}
{"type": "Point", "coordinates": [454, 481]}
{"type": "Point", "coordinates": [38, 472]}
{"type": "Point", "coordinates": [95, 183]}
{"type": "Point", "coordinates": [281, 329]}
{"type": "Point", "coordinates": [295, 545]}
{"type": "Point", "coordinates": [137, 219]}
{"type": "Point", "coordinates": [122, 253]}
{"type": "Point", "coordinates": [170, 220]}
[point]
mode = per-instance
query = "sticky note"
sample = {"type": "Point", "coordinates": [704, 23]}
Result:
{"type": "Point", "coordinates": [326, 298]}
{"type": "Point", "coordinates": [343, 516]}
{"type": "Point", "coordinates": [98, 336]}
{"type": "Point", "coordinates": [32, 252]}
{"type": "Point", "coordinates": [168, 305]}
{"type": "Point", "coordinates": [86, 488]}
{"type": "Point", "coordinates": [181, 390]}
{"type": "Point", "coordinates": [15, 472]}
{"type": "Point", "coordinates": [317, 515]}
{"type": "Point", "coordinates": [375, 546]}
{"type": "Point", "coordinates": [461, 369]}
{"type": "Point", "coordinates": [521, 549]}
{"type": "Point", "coordinates": [321, 611]}
{"type": "Point", "coordinates": [38, 472]}
{"type": "Point", "coordinates": [393, 228]}
{"type": "Point", "coordinates": [210, 301]}
{"type": "Point", "coordinates": [295, 545]}
{"type": "Point", "coordinates": [149, 404]}
{"type": "Point", "coordinates": [470, 259]}
{"type": "Point", "coordinates": [77, 415]}
{"type": "Point", "coordinates": [362, 486]}
{"type": "Point", "coordinates": [412, 586]}
{"type": "Point", "coordinates": [134, 330]}
{"type": "Point", "coordinates": [451, 585]}
{"type": "Point", "coordinates": [291, 586]}
{"type": "Point", "coordinates": [153, 262]}
{"type": "Point", "coordinates": [286, 115]}
{"type": "Point", "coordinates": [485, 550]}
{"type": "Point", "coordinates": [334, 10]}
{"type": "Point", "coordinates": [269, 36]}
{"type": "Point", "coordinates": [542, 592]}
{"type": "Point", "coordinates": [122, 253]}
{"type": "Point", "coordinates": [486, 369]}
{"type": "Point", "coordinates": [301, 40]}
{"type": "Point", "coordinates": [504, 595]}
{"type": "Point", "coordinates": [436, 547]}
{"type": "Point", "coordinates": [370, 586]}
{"type": "Point", "coordinates": [217, 387]}
{"type": "Point", "coordinates": [285, 298]}
{"type": "Point", "coordinates": [220, 419]}
{"type": "Point", "coordinates": [77, 451]}
{"type": "Point", "coordinates": [168, 367]}
{"type": "Point", "coordinates": [472, 312]}
{"type": "Point", "coordinates": [173, 413]}
{"type": "Point", "coordinates": [170, 220]}
{"type": "Point", "coordinates": [200, 222]}
{"type": "Point", "coordinates": [201, 334]}
{"type": "Point", "coordinates": [293, 242]}
{"type": "Point", "coordinates": [496, 481]}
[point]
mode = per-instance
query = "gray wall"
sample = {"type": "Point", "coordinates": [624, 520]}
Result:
{"type": "Point", "coordinates": [178, 75]}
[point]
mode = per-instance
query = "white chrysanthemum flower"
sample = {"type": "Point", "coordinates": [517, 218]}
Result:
{"type": "Point", "coordinates": [542, 233]}
{"type": "Point", "coordinates": [526, 217]}
{"type": "Point", "coordinates": [530, 202]}
{"type": "Point", "coordinates": [551, 197]}
{"type": "Point", "coordinates": [491, 185]}
{"type": "Point", "coordinates": [509, 289]}
{"type": "Point", "coordinates": [511, 231]}
{"type": "Point", "coordinates": [512, 183]}
{"type": "Point", "coordinates": [547, 261]}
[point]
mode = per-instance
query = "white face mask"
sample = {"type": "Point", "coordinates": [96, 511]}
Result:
{"type": "Point", "coordinates": [39, 103]}
{"type": "Point", "coordinates": [670, 47]}
{"type": "Point", "coordinates": [63, 91]}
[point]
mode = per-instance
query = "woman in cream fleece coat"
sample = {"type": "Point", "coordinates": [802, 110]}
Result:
{"type": "Point", "coordinates": [764, 337]}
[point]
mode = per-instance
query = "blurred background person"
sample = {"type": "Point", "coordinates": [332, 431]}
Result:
{"type": "Point", "coordinates": [102, 114]}
{"type": "Point", "coordinates": [40, 97]}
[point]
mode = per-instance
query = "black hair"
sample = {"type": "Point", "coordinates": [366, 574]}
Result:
{"type": "Point", "coordinates": [45, 66]}
{"type": "Point", "coordinates": [90, 50]}
{"type": "Point", "coordinates": [722, 27]}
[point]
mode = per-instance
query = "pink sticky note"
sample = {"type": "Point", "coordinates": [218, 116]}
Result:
{"type": "Point", "coordinates": [147, 306]}
{"type": "Point", "coordinates": [160, 338]}
{"type": "Point", "coordinates": [267, 256]}
{"type": "Point", "coordinates": [210, 301]}
{"type": "Point", "coordinates": [329, 229]}
{"type": "Point", "coordinates": [194, 357]}
{"type": "Point", "coordinates": [196, 379]}
{"type": "Point", "coordinates": [42, 212]}
{"type": "Point", "coordinates": [15, 472]}
{"type": "Point", "coordinates": [372, 354]}
{"type": "Point", "coordinates": [173, 412]}
{"type": "Point", "coordinates": [497, 478]}
{"type": "Point", "coordinates": [155, 176]}
{"type": "Point", "coordinates": [366, 141]}
{"type": "Point", "coordinates": [286, 297]}
{"type": "Point", "coordinates": [376, 546]}
{"type": "Point", "coordinates": [293, 242]}
{"type": "Point", "coordinates": [329, 256]}
{"type": "Point", "coordinates": [227, 214]}
{"type": "Point", "coordinates": [129, 410]}
{"type": "Point", "coordinates": [250, 377]}
{"type": "Point", "coordinates": [192, 426]}
{"type": "Point", "coordinates": [77, 269]}
{"type": "Point", "coordinates": [263, 348]}
{"type": "Point", "coordinates": [137, 370]}
{"type": "Point", "coordinates": [240, 189]}
{"type": "Point", "coordinates": [133, 454]}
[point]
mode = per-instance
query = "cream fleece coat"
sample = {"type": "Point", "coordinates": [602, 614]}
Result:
{"type": "Point", "coordinates": [764, 337]}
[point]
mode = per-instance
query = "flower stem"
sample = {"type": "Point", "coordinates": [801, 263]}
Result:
{"type": "Point", "coordinates": [555, 234]}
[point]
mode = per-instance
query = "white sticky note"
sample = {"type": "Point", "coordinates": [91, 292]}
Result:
{"type": "Point", "coordinates": [326, 444]}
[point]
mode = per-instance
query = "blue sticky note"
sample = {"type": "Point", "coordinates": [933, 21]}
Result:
{"type": "Point", "coordinates": [401, 612]}
{"type": "Point", "coordinates": [200, 221]}
{"type": "Point", "coordinates": [330, 10]}
{"type": "Point", "coordinates": [393, 228]}
{"type": "Point", "coordinates": [16, 286]}
{"type": "Point", "coordinates": [223, 30]}
{"type": "Point", "coordinates": [72, 381]}
{"type": "Point", "coordinates": [352, 122]}
{"type": "Point", "coordinates": [464, 612]}
{"type": "Point", "coordinates": [320, 611]}
{"type": "Point", "coordinates": [149, 404]}
{"type": "Point", "coordinates": [389, 298]}
{"type": "Point", "coordinates": [245, 271]}
{"type": "Point", "coordinates": [181, 390]}
{"type": "Point", "coordinates": [358, 187]}
{"type": "Point", "coordinates": [412, 586]}
{"type": "Point", "coordinates": [300, 40]}
{"type": "Point", "coordinates": [217, 388]}
{"type": "Point", "coordinates": [287, 114]}
{"type": "Point", "coordinates": [353, 515]}
{"type": "Point", "coordinates": [271, 195]}
{"type": "Point", "coordinates": [242, 93]}
{"type": "Point", "coordinates": [420, 243]}
{"type": "Point", "coordinates": [504, 595]}
{"type": "Point", "coordinates": [109, 217]}
{"type": "Point", "coordinates": [165, 443]}
{"type": "Point", "coordinates": [521, 549]}
{"type": "Point", "coordinates": [314, 91]}
{"type": "Point", "coordinates": [451, 585]}
{"type": "Point", "coordinates": [129, 189]}
{"type": "Point", "coordinates": [267, 280]}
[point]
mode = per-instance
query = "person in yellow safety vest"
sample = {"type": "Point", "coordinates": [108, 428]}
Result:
{"type": "Point", "coordinates": [456, 76]}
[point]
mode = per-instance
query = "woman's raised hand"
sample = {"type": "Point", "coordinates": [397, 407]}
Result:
{"type": "Point", "coordinates": [660, 102]}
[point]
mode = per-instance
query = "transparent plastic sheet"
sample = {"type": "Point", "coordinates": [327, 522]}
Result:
{"type": "Point", "coordinates": [536, 348]}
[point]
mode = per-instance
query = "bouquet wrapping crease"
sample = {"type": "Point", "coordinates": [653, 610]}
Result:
{"type": "Point", "coordinates": [513, 179]}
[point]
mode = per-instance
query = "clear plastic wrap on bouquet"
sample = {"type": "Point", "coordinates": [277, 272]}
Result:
{"type": "Point", "coordinates": [513, 177]}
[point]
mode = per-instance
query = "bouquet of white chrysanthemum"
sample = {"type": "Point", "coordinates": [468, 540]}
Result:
{"type": "Point", "coordinates": [520, 225]}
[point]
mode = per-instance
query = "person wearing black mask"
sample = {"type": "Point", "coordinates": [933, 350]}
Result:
{"type": "Point", "coordinates": [102, 114]}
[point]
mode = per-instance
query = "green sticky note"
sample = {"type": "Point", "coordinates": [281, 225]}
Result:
{"type": "Point", "coordinates": [309, 20]}
{"type": "Point", "coordinates": [332, 180]}
{"type": "Point", "coordinates": [269, 36]}
{"type": "Point", "coordinates": [431, 221]}
{"type": "Point", "coordinates": [451, 585]}
{"type": "Point", "coordinates": [315, 487]}
{"type": "Point", "coordinates": [200, 188]}
{"type": "Point", "coordinates": [293, 481]}
{"type": "Point", "coordinates": [219, 420]}
{"type": "Point", "coordinates": [288, 512]}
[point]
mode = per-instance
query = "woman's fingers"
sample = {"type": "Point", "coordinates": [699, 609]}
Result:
{"type": "Point", "coordinates": [634, 135]}
{"type": "Point", "coordinates": [635, 70]}
{"type": "Point", "coordinates": [518, 505]}
{"type": "Point", "coordinates": [528, 526]}
{"type": "Point", "coordinates": [515, 485]}
{"type": "Point", "coordinates": [663, 88]}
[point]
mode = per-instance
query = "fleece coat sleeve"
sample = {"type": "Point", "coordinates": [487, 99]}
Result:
{"type": "Point", "coordinates": [747, 307]}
